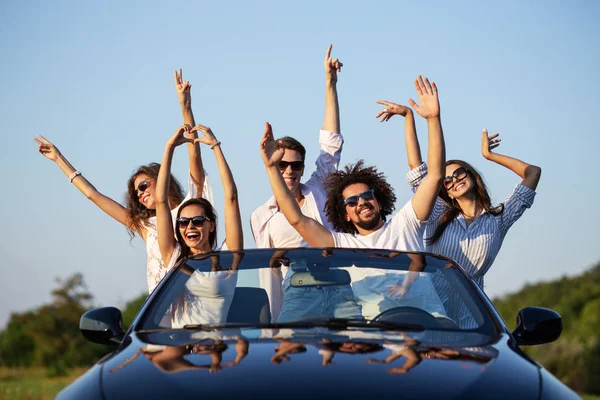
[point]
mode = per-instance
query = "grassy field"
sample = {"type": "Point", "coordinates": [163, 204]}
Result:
{"type": "Point", "coordinates": [32, 383]}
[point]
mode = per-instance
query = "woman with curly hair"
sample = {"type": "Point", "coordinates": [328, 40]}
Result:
{"type": "Point", "coordinates": [464, 225]}
{"type": "Point", "coordinates": [139, 213]}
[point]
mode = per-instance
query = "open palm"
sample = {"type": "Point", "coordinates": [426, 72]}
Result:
{"type": "Point", "coordinates": [270, 151]}
{"type": "Point", "coordinates": [428, 98]}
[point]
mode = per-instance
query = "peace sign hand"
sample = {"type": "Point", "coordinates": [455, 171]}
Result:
{"type": "Point", "coordinates": [332, 66]}
{"type": "Point", "coordinates": [391, 110]}
{"type": "Point", "coordinates": [183, 88]}
{"type": "Point", "coordinates": [489, 143]}
{"type": "Point", "coordinates": [428, 97]}
{"type": "Point", "coordinates": [208, 137]}
{"type": "Point", "coordinates": [46, 148]}
{"type": "Point", "coordinates": [271, 151]}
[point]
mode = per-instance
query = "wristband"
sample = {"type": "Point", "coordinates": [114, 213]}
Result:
{"type": "Point", "coordinates": [74, 175]}
{"type": "Point", "coordinates": [216, 144]}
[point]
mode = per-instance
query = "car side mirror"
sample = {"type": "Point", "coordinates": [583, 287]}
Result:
{"type": "Point", "coordinates": [102, 325]}
{"type": "Point", "coordinates": [537, 325]}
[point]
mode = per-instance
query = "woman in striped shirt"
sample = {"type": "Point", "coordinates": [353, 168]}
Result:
{"type": "Point", "coordinates": [464, 225]}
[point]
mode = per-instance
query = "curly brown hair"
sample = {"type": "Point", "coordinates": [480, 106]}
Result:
{"type": "Point", "coordinates": [453, 209]}
{"type": "Point", "coordinates": [138, 213]}
{"type": "Point", "coordinates": [356, 173]}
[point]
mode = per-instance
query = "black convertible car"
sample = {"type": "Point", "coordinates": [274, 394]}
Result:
{"type": "Point", "coordinates": [334, 323]}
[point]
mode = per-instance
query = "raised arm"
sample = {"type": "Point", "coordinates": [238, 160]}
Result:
{"type": "Point", "coordinates": [106, 204]}
{"type": "Point", "coordinates": [332, 108]}
{"type": "Point", "coordinates": [529, 173]}
{"type": "Point", "coordinates": [413, 149]}
{"type": "Point", "coordinates": [315, 234]}
{"type": "Point", "coordinates": [164, 220]}
{"type": "Point", "coordinates": [184, 95]}
{"type": "Point", "coordinates": [233, 222]}
{"type": "Point", "coordinates": [424, 198]}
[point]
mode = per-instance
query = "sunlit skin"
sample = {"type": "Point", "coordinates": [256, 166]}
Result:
{"type": "Point", "coordinates": [147, 197]}
{"type": "Point", "coordinates": [366, 215]}
{"type": "Point", "coordinates": [461, 189]}
{"type": "Point", "coordinates": [197, 239]}
{"type": "Point", "coordinates": [291, 177]}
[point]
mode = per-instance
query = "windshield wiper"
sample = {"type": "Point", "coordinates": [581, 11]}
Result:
{"type": "Point", "coordinates": [338, 324]}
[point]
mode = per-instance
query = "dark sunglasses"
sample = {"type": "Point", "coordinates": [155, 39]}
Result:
{"type": "Point", "coordinates": [198, 221]}
{"type": "Point", "coordinates": [458, 175]}
{"type": "Point", "coordinates": [145, 184]}
{"type": "Point", "coordinates": [296, 165]}
{"type": "Point", "coordinates": [352, 201]}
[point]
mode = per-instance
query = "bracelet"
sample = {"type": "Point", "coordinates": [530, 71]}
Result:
{"type": "Point", "coordinates": [74, 175]}
{"type": "Point", "coordinates": [216, 144]}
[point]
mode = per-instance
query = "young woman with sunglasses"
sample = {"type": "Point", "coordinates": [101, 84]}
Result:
{"type": "Point", "coordinates": [138, 214]}
{"type": "Point", "coordinates": [208, 295]}
{"type": "Point", "coordinates": [464, 225]}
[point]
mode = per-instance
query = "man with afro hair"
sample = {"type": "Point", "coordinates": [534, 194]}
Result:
{"type": "Point", "coordinates": [359, 199]}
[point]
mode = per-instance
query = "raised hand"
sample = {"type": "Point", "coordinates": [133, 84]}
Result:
{"type": "Point", "coordinates": [332, 66]}
{"type": "Point", "coordinates": [270, 151]}
{"type": "Point", "coordinates": [489, 143]}
{"type": "Point", "coordinates": [46, 148]}
{"type": "Point", "coordinates": [208, 137]}
{"type": "Point", "coordinates": [178, 137]}
{"type": "Point", "coordinates": [428, 97]}
{"type": "Point", "coordinates": [183, 88]}
{"type": "Point", "coordinates": [391, 110]}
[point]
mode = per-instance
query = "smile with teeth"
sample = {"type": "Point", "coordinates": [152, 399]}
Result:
{"type": "Point", "coordinates": [192, 236]}
{"type": "Point", "coordinates": [145, 198]}
{"type": "Point", "coordinates": [459, 186]}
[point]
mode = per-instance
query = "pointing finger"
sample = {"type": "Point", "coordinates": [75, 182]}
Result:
{"type": "Point", "coordinates": [328, 52]}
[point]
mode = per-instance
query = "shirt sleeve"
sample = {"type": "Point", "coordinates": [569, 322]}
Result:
{"type": "Point", "coordinates": [514, 206]}
{"type": "Point", "coordinates": [329, 157]}
{"type": "Point", "coordinates": [415, 176]}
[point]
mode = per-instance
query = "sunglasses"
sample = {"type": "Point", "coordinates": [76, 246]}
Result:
{"type": "Point", "coordinates": [352, 201]}
{"type": "Point", "coordinates": [296, 165]}
{"type": "Point", "coordinates": [198, 221]}
{"type": "Point", "coordinates": [145, 184]}
{"type": "Point", "coordinates": [458, 175]}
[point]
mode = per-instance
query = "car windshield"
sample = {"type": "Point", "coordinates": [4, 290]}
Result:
{"type": "Point", "coordinates": [308, 287]}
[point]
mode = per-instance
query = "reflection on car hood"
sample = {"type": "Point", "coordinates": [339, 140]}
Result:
{"type": "Point", "coordinates": [298, 364]}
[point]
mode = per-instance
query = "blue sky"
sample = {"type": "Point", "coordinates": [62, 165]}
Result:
{"type": "Point", "coordinates": [96, 79]}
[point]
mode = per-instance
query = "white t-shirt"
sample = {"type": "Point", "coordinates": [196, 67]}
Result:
{"type": "Point", "coordinates": [284, 234]}
{"type": "Point", "coordinates": [403, 231]}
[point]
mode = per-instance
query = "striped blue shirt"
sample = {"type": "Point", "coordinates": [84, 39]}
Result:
{"type": "Point", "coordinates": [476, 246]}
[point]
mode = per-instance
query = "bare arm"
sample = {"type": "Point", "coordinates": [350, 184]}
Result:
{"type": "Point", "coordinates": [315, 234]}
{"type": "Point", "coordinates": [424, 198]}
{"type": "Point", "coordinates": [332, 108]}
{"type": "Point", "coordinates": [164, 219]}
{"type": "Point", "coordinates": [184, 95]}
{"type": "Point", "coordinates": [106, 204]}
{"type": "Point", "coordinates": [413, 149]}
{"type": "Point", "coordinates": [233, 221]}
{"type": "Point", "coordinates": [529, 173]}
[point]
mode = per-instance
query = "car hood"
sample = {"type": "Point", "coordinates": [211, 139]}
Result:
{"type": "Point", "coordinates": [298, 364]}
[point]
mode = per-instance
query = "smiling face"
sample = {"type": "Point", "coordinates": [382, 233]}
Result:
{"type": "Point", "coordinates": [146, 196]}
{"type": "Point", "coordinates": [366, 214]}
{"type": "Point", "coordinates": [292, 176]}
{"type": "Point", "coordinates": [196, 237]}
{"type": "Point", "coordinates": [460, 187]}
